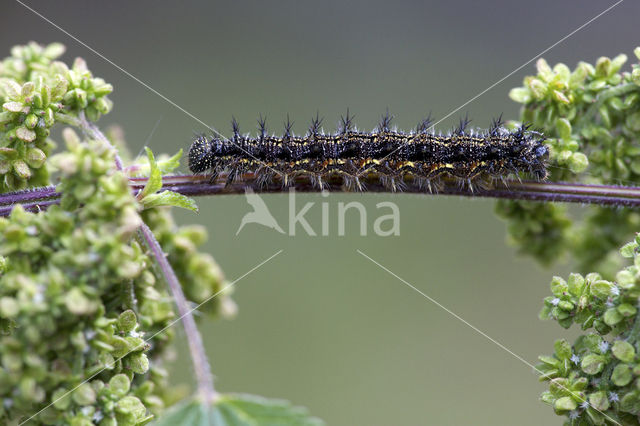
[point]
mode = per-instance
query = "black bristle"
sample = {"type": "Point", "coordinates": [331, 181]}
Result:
{"type": "Point", "coordinates": [395, 157]}
{"type": "Point", "coordinates": [235, 128]}
{"type": "Point", "coordinates": [462, 127]}
{"type": "Point", "coordinates": [262, 127]}
{"type": "Point", "coordinates": [316, 122]}
{"type": "Point", "coordinates": [521, 129]}
{"type": "Point", "coordinates": [424, 125]}
{"type": "Point", "coordinates": [287, 128]}
{"type": "Point", "coordinates": [346, 122]}
{"type": "Point", "coordinates": [496, 124]}
{"type": "Point", "coordinates": [385, 122]}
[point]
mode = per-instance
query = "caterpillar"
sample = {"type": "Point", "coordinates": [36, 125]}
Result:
{"type": "Point", "coordinates": [473, 157]}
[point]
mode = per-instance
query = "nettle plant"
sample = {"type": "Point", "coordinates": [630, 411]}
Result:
{"type": "Point", "coordinates": [85, 310]}
{"type": "Point", "coordinates": [94, 272]}
{"type": "Point", "coordinates": [592, 118]}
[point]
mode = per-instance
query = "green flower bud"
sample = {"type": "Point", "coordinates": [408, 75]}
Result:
{"type": "Point", "coordinates": [25, 134]}
{"type": "Point", "coordinates": [575, 284]}
{"type": "Point", "coordinates": [119, 385]}
{"type": "Point", "coordinates": [138, 363]}
{"type": "Point", "coordinates": [84, 395]}
{"type": "Point", "coordinates": [127, 321]}
{"type": "Point", "coordinates": [48, 117]}
{"type": "Point", "coordinates": [592, 364]}
{"type": "Point", "coordinates": [28, 89]}
{"type": "Point", "coordinates": [626, 279]}
{"type": "Point", "coordinates": [599, 401]}
{"type": "Point", "coordinates": [520, 95]}
{"type": "Point", "coordinates": [131, 405]}
{"type": "Point", "coordinates": [15, 107]}
{"type": "Point", "coordinates": [623, 350]}
{"type": "Point", "coordinates": [45, 93]}
{"type": "Point", "coordinates": [627, 310]}
{"type": "Point", "coordinates": [578, 162]}
{"type": "Point", "coordinates": [31, 121]}
{"type": "Point", "coordinates": [621, 375]}
{"type": "Point", "coordinates": [563, 127]}
{"type": "Point", "coordinates": [61, 399]}
{"type": "Point", "coordinates": [36, 101]}
{"type": "Point", "coordinates": [560, 97]}
{"type": "Point", "coordinates": [612, 317]}
{"type": "Point", "coordinates": [603, 67]}
{"type": "Point", "coordinates": [559, 286]}
{"type": "Point", "coordinates": [538, 88]}
{"type": "Point", "coordinates": [601, 289]}
{"type": "Point", "coordinates": [565, 404]}
{"type": "Point", "coordinates": [21, 169]}
{"type": "Point", "coordinates": [562, 349]}
{"type": "Point", "coordinates": [35, 158]}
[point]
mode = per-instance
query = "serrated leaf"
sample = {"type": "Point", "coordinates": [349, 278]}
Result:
{"type": "Point", "coordinates": [169, 198]}
{"type": "Point", "coordinates": [155, 177]}
{"type": "Point", "coordinates": [169, 165]}
{"type": "Point", "coordinates": [165, 166]}
{"type": "Point", "coordinates": [238, 410]}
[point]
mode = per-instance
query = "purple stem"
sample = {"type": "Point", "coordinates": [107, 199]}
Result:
{"type": "Point", "coordinates": [194, 340]}
{"type": "Point", "coordinates": [201, 366]}
{"type": "Point", "coordinates": [197, 185]}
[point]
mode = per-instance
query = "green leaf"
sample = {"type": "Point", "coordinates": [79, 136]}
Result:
{"type": "Point", "coordinates": [612, 317]}
{"type": "Point", "coordinates": [165, 166]}
{"type": "Point", "coordinates": [563, 349]}
{"type": "Point", "coordinates": [601, 289]}
{"type": "Point", "coordinates": [624, 351]}
{"type": "Point", "coordinates": [155, 177]}
{"type": "Point", "coordinates": [627, 310]}
{"type": "Point", "coordinates": [520, 95]}
{"type": "Point", "coordinates": [169, 165]}
{"type": "Point", "coordinates": [626, 279]}
{"type": "Point", "coordinates": [629, 249]}
{"type": "Point", "coordinates": [621, 375]}
{"type": "Point", "coordinates": [599, 400]}
{"type": "Point", "coordinates": [238, 410]}
{"type": "Point", "coordinates": [563, 126]}
{"type": "Point", "coordinates": [169, 198]}
{"type": "Point", "coordinates": [576, 284]}
{"type": "Point", "coordinates": [565, 403]}
{"type": "Point", "coordinates": [592, 364]}
{"type": "Point", "coordinates": [559, 286]}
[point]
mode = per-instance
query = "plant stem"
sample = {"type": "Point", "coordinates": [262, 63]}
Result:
{"type": "Point", "coordinates": [197, 185]}
{"type": "Point", "coordinates": [194, 340]}
{"type": "Point", "coordinates": [615, 91]}
{"type": "Point", "coordinates": [201, 365]}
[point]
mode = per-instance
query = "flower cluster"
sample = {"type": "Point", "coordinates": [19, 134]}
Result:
{"type": "Point", "coordinates": [597, 379]}
{"type": "Point", "coordinates": [73, 277]}
{"type": "Point", "coordinates": [81, 302]}
{"type": "Point", "coordinates": [35, 92]}
{"type": "Point", "coordinates": [591, 117]}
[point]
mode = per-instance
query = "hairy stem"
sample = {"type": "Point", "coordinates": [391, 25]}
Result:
{"type": "Point", "coordinates": [201, 365]}
{"type": "Point", "coordinates": [194, 340]}
{"type": "Point", "coordinates": [197, 185]}
{"type": "Point", "coordinates": [616, 91]}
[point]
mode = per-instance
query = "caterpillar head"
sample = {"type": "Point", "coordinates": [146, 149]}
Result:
{"type": "Point", "coordinates": [200, 155]}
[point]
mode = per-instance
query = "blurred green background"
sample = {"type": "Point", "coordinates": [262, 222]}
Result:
{"type": "Point", "coordinates": [320, 324]}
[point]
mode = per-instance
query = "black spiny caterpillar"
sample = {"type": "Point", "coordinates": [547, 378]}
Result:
{"type": "Point", "coordinates": [396, 158]}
